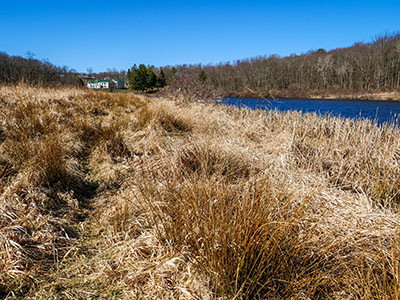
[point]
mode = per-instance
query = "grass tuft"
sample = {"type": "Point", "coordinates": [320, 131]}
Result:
{"type": "Point", "coordinates": [109, 195]}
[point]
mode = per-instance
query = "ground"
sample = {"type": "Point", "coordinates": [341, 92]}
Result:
{"type": "Point", "coordinates": [117, 196]}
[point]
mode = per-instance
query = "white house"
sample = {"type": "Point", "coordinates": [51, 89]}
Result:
{"type": "Point", "coordinates": [106, 84]}
{"type": "Point", "coordinates": [98, 84]}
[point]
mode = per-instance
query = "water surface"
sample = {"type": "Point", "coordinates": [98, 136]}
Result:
{"type": "Point", "coordinates": [378, 111]}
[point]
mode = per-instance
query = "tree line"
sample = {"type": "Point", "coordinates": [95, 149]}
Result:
{"type": "Point", "coordinates": [373, 66]}
{"type": "Point", "coordinates": [16, 69]}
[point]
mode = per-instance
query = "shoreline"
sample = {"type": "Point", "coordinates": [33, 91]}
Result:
{"type": "Point", "coordinates": [374, 96]}
{"type": "Point", "coordinates": [377, 96]}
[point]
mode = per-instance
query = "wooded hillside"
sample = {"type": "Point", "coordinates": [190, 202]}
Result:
{"type": "Point", "coordinates": [373, 66]}
{"type": "Point", "coordinates": [15, 69]}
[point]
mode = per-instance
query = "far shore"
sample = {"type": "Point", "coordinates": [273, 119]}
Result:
{"type": "Point", "coordinates": [380, 96]}
{"type": "Point", "coordinates": [383, 96]}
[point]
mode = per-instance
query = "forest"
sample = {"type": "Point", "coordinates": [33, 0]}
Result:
{"type": "Point", "coordinates": [362, 67]}
{"type": "Point", "coordinates": [31, 71]}
{"type": "Point", "coordinates": [372, 66]}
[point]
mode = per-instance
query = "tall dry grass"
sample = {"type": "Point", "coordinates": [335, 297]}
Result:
{"type": "Point", "coordinates": [355, 155]}
{"type": "Point", "coordinates": [192, 201]}
{"type": "Point", "coordinates": [46, 139]}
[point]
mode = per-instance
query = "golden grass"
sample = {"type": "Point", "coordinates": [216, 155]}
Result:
{"type": "Point", "coordinates": [393, 96]}
{"type": "Point", "coordinates": [115, 196]}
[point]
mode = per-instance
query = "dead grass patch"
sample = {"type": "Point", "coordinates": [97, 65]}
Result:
{"type": "Point", "coordinates": [194, 201]}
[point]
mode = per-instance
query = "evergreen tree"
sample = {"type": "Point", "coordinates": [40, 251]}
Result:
{"type": "Point", "coordinates": [143, 78]}
{"type": "Point", "coordinates": [202, 76]}
{"type": "Point", "coordinates": [172, 72]}
{"type": "Point", "coordinates": [161, 79]}
{"type": "Point", "coordinates": [151, 78]}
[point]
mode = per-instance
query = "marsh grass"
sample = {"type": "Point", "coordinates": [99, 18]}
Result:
{"type": "Point", "coordinates": [245, 237]}
{"type": "Point", "coordinates": [46, 139]}
{"type": "Point", "coordinates": [356, 155]}
{"type": "Point", "coordinates": [106, 195]}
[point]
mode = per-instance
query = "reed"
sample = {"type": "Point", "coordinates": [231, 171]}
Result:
{"type": "Point", "coordinates": [107, 195]}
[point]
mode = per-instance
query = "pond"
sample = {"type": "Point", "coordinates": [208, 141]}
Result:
{"type": "Point", "coordinates": [378, 111]}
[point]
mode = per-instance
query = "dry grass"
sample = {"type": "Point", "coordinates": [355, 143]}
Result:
{"type": "Point", "coordinates": [113, 196]}
{"type": "Point", "coordinates": [394, 96]}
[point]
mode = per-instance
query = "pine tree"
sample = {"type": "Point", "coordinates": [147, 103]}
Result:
{"type": "Point", "coordinates": [202, 76]}
{"type": "Point", "coordinates": [143, 78]}
{"type": "Point", "coordinates": [151, 78]}
{"type": "Point", "coordinates": [161, 79]}
{"type": "Point", "coordinates": [140, 78]}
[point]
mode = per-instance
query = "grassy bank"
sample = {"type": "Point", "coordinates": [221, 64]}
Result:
{"type": "Point", "coordinates": [115, 196]}
{"type": "Point", "coordinates": [294, 94]}
{"type": "Point", "coordinates": [371, 95]}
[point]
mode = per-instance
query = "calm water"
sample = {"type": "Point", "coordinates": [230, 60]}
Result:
{"type": "Point", "coordinates": [380, 111]}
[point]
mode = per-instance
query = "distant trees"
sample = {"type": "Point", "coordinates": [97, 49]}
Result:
{"type": "Point", "coordinates": [111, 73]}
{"type": "Point", "coordinates": [144, 78]}
{"type": "Point", "coordinates": [361, 67]}
{"type": "Point", "coordinates": [89, 71]}
{"type": "Point", "coordinates": [15, 69]}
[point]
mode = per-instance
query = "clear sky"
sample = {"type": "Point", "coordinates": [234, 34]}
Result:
{"type": "Point", "coordinates": [107, 34]}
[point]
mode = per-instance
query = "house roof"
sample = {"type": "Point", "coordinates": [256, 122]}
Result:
{"type": "Point", "coordinates": [104, 80]}
{"type": "Point", "coordinates": [96, 81]}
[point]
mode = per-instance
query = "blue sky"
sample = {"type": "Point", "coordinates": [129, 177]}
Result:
{"type": "Point", "coordinates": [117, 34]}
